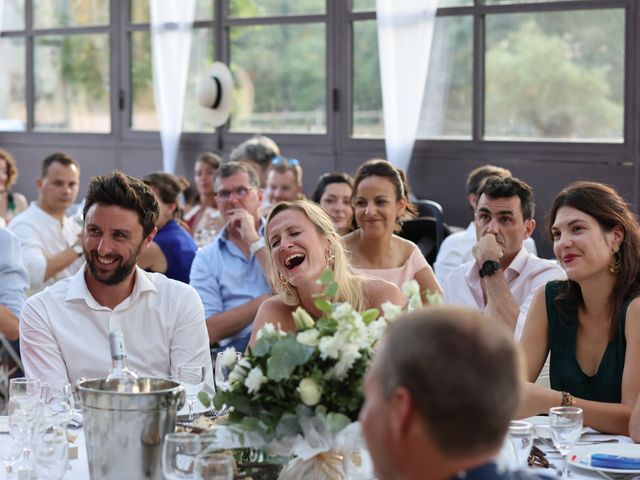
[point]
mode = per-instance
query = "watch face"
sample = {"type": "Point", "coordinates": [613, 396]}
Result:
{"type": "Point", "coordinates": [78, 249]}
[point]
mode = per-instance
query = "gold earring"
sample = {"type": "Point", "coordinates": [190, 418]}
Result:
{"type": "Point", "coordinates": [330, 259]}
{"type": "Point", "coordinates": [615, 262]}
{"type": "Point", "coordinates": [284, 284]}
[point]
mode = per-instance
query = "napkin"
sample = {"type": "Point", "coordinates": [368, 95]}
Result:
{"type": "Point", "coordinates": [603, 460]}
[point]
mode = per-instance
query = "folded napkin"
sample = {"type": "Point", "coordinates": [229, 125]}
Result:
{"type": "Point", "coordinates": [603, 460]}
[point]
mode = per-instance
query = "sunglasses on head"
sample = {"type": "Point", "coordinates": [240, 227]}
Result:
{"type": "Point", "coordinates": [294, 162]}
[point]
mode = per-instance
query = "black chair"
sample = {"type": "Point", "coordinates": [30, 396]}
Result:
{"type": "Point", "coordinates": [432, 209]}
{"type": "Point", "coordinates": [423, 232]}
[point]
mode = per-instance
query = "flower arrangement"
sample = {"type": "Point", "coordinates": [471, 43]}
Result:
{"type": "Point", "coordinates": [296, 391]}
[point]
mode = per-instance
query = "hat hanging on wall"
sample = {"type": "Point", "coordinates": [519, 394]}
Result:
{"type": "Point", "coordinates": [215, 93]}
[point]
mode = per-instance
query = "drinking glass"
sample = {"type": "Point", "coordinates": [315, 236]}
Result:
{"type": "Point", "coordinates": [51, 449]}
{"type": "Point", "coordinates": [214, 466]}
{"type": "Point", "coordinates": [566, 428]}
{"type": "Point", "coordinates": [521, 440]}
{"type": "Point", "coordinates": [191, 376]}
{"type": "Point", "coordinates": [178, 455]}
{"type": "Point", "coordinates": [222, 373]}
{"type": "Point", "coordinates": [24, 405]}
{"type": "Point", "coordinates": [57, 401]}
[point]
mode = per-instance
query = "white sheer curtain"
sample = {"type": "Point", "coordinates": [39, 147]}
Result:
{"type": "Point", "coordinates": [171, 23]}
{"type": "Point", "coordinates": [1, 12]}
{"type": "Point", "coordinates": [405, 31]}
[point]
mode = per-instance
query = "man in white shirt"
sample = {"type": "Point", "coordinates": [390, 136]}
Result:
{"type": "Point", "coordinates": [64, 330]}
{"type": "Point", "coordinates": [503, 277]}
{"type": "Point", "coordinates": [51, 243]}
{"type": "Point", "coordinates": [456, 248]}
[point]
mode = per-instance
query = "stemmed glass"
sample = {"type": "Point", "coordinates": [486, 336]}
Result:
{"type": "Point", "coordinates": [179, 454]}
{"type": "Point", "coordinates": [51, 449]}
{"type": "Point", "coordinates": [24, 405]}
{"type": "Point", "coordinates": [566, 428]}
{"type": "Point", "coordinates": [57, 401]}
{"type": "Point", "coordinates": [521, 440]}
{"type": "Point", "coordinates": [222, 373]}
{"type": "Point", "coordinates": [191, 375]}
{"type": "Point", "coordinates": [213, 466]}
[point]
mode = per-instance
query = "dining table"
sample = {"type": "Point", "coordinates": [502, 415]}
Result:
{"type": "Point", "coordinates": [78, 468]}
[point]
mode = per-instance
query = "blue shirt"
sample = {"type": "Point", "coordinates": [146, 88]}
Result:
{"type": "Point", "coordinates": [178, 248]}
{"type": "Point", "coordinates": [225, 279]}
{"type": "Point", "coordinates": [490, 471]}
{"type": "Point", "coordinates": [14, 280]}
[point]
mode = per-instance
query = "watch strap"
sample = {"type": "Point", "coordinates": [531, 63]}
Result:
{"type": "Point", "coordinates": [489, 268]}
{"type": "Point", "coordinates": [257, 245]}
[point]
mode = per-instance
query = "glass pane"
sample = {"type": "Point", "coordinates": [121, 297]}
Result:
{"type": "Point", "coordinates": [140, 10]}
{"type": "Point", "coordinates": [13, 82]}
{"type": "Point", "coordinates": [507, 2]}
{"type": "Point", "coordinates": [566, 76]}
{"type": "Point", "coordinates": [70, 13]}
{"type": "Point", "coordinates": [72, 83]}
{"type": "Point", "coordinates": [13, 15]}
{"type": "Point", "coordinates": [448, 99]}
{"type": "Point", "coordinates": [281, 86]}
{"type": "Point", "coordinates": [268, 8]}
{"type": "Point", "coordinates": [364, 5]}
{"type": "Point", "coordinates": [143, 114]}
{"type": "Point", "coordinates": [454, 3]}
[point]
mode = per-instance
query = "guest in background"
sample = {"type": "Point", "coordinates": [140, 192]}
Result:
{"type": "Point", "coordinates": [284, 180]}
{"type": "Point", "coordinates": [172, 250]}
{"type": "Point", "coordinates": [380, 200]}
{"type": "Point", "coordinates": [258, 152]}
{"type": "Point", "coordinates": [456, 249]}
{"type": "Point", "coordinates": [590, 323]}
{"type": "Point", "coordinates": [11, 203]}
{"type": "Point", "coordinates": [202, 213]}
{"type": "Point", "coordinates": [333, 193]}
{"type": "Point", "coordinates": [439, 395]}
{"type": "Point", "coordinates": [51, 243]}
{"type": "Point", "coordinates": [13, 284]}
{"type": "Point", "coordinates": [302, 243]}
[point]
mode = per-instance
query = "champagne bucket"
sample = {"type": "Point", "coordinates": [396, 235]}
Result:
{"type": "Point", "coordinates": [124, 432]}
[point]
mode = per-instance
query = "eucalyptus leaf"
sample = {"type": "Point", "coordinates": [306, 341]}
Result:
{"type": "Point", "coordinates": [288, 426]}
{"type": "Point", "coordinates": [323, 305]}
{"type": "Point", "coordinates": [370, 315]}
{"type": "Point", "coordinates": [331, 290]}
{"type": "Point", "coordinates": [204, 399]}
{"type": "Point", "coordinates": [337, 421]}
{"type": "Point", "coordinates": [326, 277]}
{"type": "Point", "coordinates": [261, 347]}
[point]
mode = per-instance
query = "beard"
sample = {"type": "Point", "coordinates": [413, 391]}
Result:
{"type": "Point", "coordinates": [119, 274]}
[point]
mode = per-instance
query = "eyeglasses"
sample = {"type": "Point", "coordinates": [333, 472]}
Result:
{"type": "Point", "coordinates": [294, 162]}
{"type": "Point", "coordinates": [240, 193]}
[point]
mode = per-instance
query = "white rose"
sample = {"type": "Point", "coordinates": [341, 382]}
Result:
{"type": "Point", "coordinates": [228, 357]}
{"type": "Point", "coordinates": [239, 372]}
{"type": "Point", "coordinates": [309, 391]}
{"type": "Point", "coordinates": [268, 330]}
{"type": "Point", "coordinates": [343, 312]}
{"type": "Point", "coordinates": [411, 288]}
{"type": "Point", "coordinates": [309, 337]}
{"type": "Point", "coordinates": [254, 380]}
{"type": "Point", "coordinates": [391, 311]}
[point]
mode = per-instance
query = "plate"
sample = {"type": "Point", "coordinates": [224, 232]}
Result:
{"type": "Point", "coordinates": [198, 409]}
{"type": "Point", "coordinates": [581, 456]}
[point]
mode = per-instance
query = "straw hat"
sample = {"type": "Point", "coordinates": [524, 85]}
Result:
{"type": "Point", "coordinates": [215, 93]}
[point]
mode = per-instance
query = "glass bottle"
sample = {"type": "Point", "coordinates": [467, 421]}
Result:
{"type": "Point", "coordinates": [126, 380]}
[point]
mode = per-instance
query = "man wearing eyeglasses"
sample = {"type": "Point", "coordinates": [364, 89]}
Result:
{"type": "Point", "coordinates": [229, 273]}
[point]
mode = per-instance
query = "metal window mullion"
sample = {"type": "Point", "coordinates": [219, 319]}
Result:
{"type": "Point", "coordinates": [29, 71]}
{"type": "Point", "coordinates": [478, 82]}
{"type": "Point", "coordinates": [254, 21]}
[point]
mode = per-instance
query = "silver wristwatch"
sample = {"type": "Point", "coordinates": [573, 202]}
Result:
{"type": "Point", "coordinates": [257, 245]}
{"type": "Point", "coordinates": [77, 249]}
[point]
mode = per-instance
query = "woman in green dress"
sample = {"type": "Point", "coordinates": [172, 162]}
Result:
{"type": "Point", "coordinates": [589, 323]}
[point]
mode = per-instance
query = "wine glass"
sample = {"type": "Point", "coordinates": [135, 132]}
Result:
{"type": "Point", "coordinates": [178, 455]}
{"type": "Point", "coordinates": [191, 376]}
{"type": "Point", "coordinates": [222, 373]}
{"type": "Point", "coordinates": [213, 466]}
{"type": "Point", "coordinates": [57, 401]}
{"type": "Point", "coordinates": [51, 449]}
{"type": "Point", "coordinates": [566, 428]}
{"type": "Point", "coordinates": [24, 405]}
{"type": "Point", "coordinates": [520, 436]}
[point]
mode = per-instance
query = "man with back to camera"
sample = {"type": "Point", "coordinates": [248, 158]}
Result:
{"type": "Point", "coordinates": [439, 394]}
{"type": "Point", "coordinates": [456, 249]}
{"type": "Point", "coordinates": [229, 273]}
{"type": "Point", "coordinates": [257, 152]}
{"type": "Point", "coordinates": [503, 277]}
{"type": "Point", "coordinates": [51, 243]}
{"type": "Point", "coordinates": [64, 330]}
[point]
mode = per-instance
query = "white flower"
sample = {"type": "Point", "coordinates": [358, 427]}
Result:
{"type": "Point", "coordinates": [347, 358]}
{"type": "Point", "coordinates": [309, 391]}
{"type": "Point", "coordinates": [343, 312]}
{"type": "Point", "coordinates": [376, 330]}
{"type": "Point", "coordinates": [228, 357]}
{"type": "Point", "coordinates": [434, 298]}
{"type": "Point", "coordinates": [330, 346]}
{"type": "Point", "coordinates": [411, 288]}
{"type": "Point", "coordinates": [267, 330]}
{"type": "Point", "coordinates": [391, 311]}
{"type": "Point", "coordinates": [254, 380]}
{"type": "Point", "coordinates": [302, 319]}
{"type": "Point", "coordinates": [309, 337]}
{"type": "Point", "coordinates": [239, 372]}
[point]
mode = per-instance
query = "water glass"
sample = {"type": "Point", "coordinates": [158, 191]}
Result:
{"type": "Point", "coordinates": [520, 435]}
{"type": "Point", "coordinates": [214, 466]}
{"type": "Point", "coordinates": [24, 406]}
{"type": "Point", "coordinates": [566, 428]}
{"type": "Point", "coordinates": [179, 454]}
{"type": "Point", "coordinates": [222, 373]}
{"type": "Point", "coordinates": [50, 450]}
{"type": "Point", "coordinates": [57, 401]}
{"type": "Point", "coordinates": [191, 376]}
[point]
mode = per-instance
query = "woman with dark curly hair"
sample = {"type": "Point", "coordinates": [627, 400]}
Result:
{"type": "Point", "coordinates": [11, 203]}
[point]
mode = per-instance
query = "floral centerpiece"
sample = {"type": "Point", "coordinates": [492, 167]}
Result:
{"type": "Point", "coordinates": [300, 393]}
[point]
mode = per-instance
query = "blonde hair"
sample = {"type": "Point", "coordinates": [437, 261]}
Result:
{"type": "Point", "coordinates": [350, 286]}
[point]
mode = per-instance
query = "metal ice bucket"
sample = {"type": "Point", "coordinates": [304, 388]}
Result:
{"type": "Point", "coordinates": [124, 432]}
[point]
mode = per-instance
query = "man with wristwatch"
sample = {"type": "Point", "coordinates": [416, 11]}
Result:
{"type": "Point", "coordinates": [503, 277]}
{"type": "Point", "coordinates": [229, 273]}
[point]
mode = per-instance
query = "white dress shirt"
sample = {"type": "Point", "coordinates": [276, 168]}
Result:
{"type": "Point", "coordinates": [64, 331]}
{"type": "Point", "coordinates": [524, 275]}
{"type": "Point", "coordinates": [456, 250]}
{"type": "Point", "coordinates": [42, 235]}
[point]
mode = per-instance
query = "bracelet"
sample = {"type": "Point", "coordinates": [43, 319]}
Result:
{"type": "Point", "coordinates": [567, 400]}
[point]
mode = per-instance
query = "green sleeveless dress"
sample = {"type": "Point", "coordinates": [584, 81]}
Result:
{"type": "Point", "coordinates": [564, 371]}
